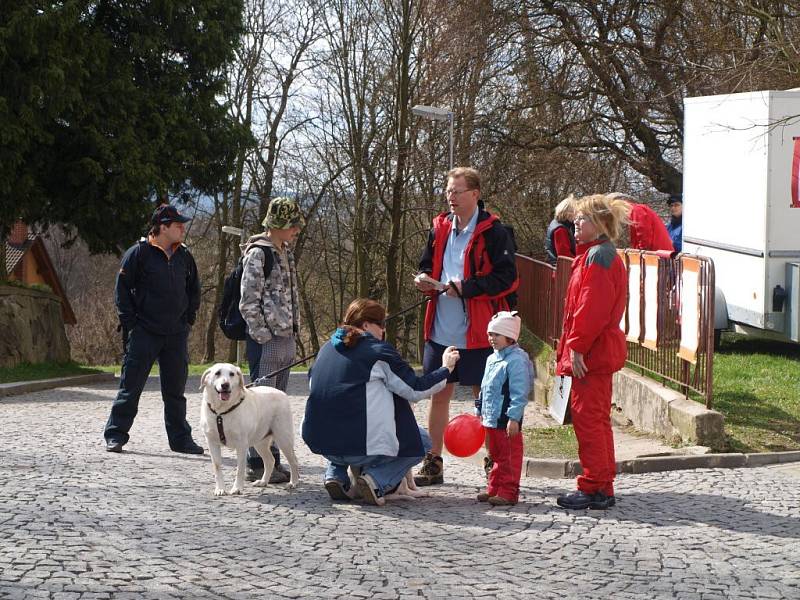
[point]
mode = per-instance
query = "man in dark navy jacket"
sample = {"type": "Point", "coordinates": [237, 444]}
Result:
{"type": "Point", "coordinates": [157, 296]}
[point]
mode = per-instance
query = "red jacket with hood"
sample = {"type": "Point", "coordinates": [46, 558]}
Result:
{"type": "Point", "coordinates": [647, 230]}
{"type": "Point", "coordinates": [596, 296]}
{"type": "Point", "coordinates": [490, 273]}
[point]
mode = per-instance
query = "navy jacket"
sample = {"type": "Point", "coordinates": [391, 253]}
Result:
{"type": "Point", "coordinates": [159, 293]}
{"type": "Point", "coordinates": [359, 400]}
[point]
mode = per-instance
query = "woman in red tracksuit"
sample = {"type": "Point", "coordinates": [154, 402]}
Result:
{"type": "Point", "coordinates": [592, 346]}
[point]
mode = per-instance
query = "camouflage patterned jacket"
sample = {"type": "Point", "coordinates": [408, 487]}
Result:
{"type": "Point", "coordinates": [270, 308]}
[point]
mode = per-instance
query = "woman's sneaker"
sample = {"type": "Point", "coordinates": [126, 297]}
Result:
{"type": "Point", "coordinates": [337, 490]}
{"type": "Point", "coordinates": [431, 472]}
{"type": "Point", "coordinates": [368, 490]}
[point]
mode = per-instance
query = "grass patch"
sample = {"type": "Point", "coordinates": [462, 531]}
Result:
{"type": "Point", "coordinates": [757, 388]}
{"type": "Point", "coordinates": [551, 442]}
{"type": "Point", "coordinates": [29, 372]}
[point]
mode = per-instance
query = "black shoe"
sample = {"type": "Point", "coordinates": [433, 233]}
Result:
{"type": "Point", "coordinates": [601, 502]}
{"type": "Point", "coordinates": [190, 448]}
{"type": "Point", "coordinates": [575, 500]}
{"type": "Point", "coordinates": [279, 474]}
{"type": "Point", "coordinates": [254, 473]}
{"type": "Point", "coordinates": [113, 446]}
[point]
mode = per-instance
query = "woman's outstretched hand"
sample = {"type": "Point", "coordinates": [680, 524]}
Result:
{"type": "Point", "coordinates": [450, 358]}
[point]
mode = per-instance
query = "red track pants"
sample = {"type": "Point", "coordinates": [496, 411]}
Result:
{"type": "Point", "coordinates": [590, 405]}
{"type": "Point", "coordinates": [506, 453]}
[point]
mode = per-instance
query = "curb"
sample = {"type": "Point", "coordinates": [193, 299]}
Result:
{"type": "Point", "coordinates": [26, 387]}
{"type": "Point", "coordinates": [556, 468]}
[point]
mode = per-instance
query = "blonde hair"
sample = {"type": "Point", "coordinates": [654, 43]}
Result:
{"type": "Point", "coordinates": [470, 175]}
{"type": "Point", "coordinates": [609, 215]}
{"type": "Point", "coordinates": [565, 210]}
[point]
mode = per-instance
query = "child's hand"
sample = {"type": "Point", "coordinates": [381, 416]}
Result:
{"type": "Point", "coordinates": [513, 428]}
{"type": "Point", "coordinates": [450, 358]}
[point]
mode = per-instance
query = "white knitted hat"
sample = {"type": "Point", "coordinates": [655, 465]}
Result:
{"type": "Point", "coordinates": [505, 323]}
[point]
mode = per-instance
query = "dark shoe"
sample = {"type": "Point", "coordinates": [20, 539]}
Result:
{"type": "Point", "coordinates": [488, 463]}
{"type": "Point", "coordinates": [112, 446]}
{"type": "Point", "coordinates": [483, 497]}
{"type": "Point", "coordinates": [336, 489]}
{"type": "Point", "coordinates": [431, 472]}
{"type": "Point", "coordinates": [190, 448]}
{"type": "Point", "coordinates": [575, 500]}
{"type": "Point", "coordinates": [601, 502]}
{"type": "Point", "coordinates": [500, 501]}
{"type": "Point", "coordinates": [254, 473]}
{"type": "Point", "coordinates": [369, 490]}
{"type": "Point", "coordinates": [279, 474]}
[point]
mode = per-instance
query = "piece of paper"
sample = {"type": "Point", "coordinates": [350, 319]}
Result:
{"type": "Point", "coordinates": [559, 399]}
{"type": "Point", "coordinates": [650, 302]}
{"type": "Point", "coordinates": [425, 278]}
{"type": "Point", "coordinates": [690, 309]}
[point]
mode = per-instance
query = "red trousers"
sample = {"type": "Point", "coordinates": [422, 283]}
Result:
{"type": "Point", "coordinates": [506, 453]}
{"type": "Point", "coordinates": [590, 406]}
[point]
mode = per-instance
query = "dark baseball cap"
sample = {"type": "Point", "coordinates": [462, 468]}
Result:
{"type": "Point", "coordinates": [166, 213]}
{"type": "Point", "coordinates": [673, 198]}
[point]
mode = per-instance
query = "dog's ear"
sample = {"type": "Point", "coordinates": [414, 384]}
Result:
{"type": "Point", "coordinates": [205, 375]}
{"type": "Point", "coordinates": [241, 376]}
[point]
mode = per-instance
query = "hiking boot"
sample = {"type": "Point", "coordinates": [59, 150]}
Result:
{"type": "Point", "coordinates": [431, 472]}
{"type": "Point", "coordinates": [488, 463]}
{"type": "Point", "coordinates": [601, 502]}
{"type": "Point", "coordinates": [483, 497]}
{"type": "Point", "coordinates": [500, 501]}
{"type": "Point", "coordinates": [337, 490]}
{"type": "Point", "coordinates": [280, 474]}
{"type": "Point", "coordinates": [369, 490]}
{"type": "Point", "coordinates": [254, 473]}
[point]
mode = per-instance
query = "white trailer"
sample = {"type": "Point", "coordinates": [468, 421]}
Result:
{"type": "Point", "coordinates": [740, 208]}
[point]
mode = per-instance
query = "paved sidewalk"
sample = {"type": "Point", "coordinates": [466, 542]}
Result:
{"type": "Point", "coordinates": [78, 522]}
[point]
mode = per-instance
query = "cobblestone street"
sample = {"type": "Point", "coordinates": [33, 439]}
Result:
{"type": "Point", "coordinates": [78, 522]}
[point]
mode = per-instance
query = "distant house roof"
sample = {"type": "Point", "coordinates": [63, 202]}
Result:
{"type": "Point", "coordinates": [15, 252]}
{"type": "Point", "coordinates": [22, 242]}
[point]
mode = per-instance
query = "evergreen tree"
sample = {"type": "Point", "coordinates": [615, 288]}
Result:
{"type": "Point", "coordinates": [107, 106]}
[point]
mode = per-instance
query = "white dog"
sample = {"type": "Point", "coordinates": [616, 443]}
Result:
{"type": "Point", "coordinates": [239, 417]}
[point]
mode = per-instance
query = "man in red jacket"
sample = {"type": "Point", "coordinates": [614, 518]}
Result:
{"type": "Point", "coordinates": [646, 230]}
{"type": "Point", "coordinates": [470, 255]}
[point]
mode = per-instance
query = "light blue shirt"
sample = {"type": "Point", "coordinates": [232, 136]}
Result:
{"type": "Point", "coordinates": [450, 324]}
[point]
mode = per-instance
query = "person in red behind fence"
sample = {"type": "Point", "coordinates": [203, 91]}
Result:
{"type": "Point", "coordinates": [592, 345]}
{"type": "Point", "coordinates": [506, 384]}
{"type": "Point", "coordinates": [646, 230]}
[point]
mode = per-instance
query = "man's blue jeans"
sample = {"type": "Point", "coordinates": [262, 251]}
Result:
{"type": "Point", "coordinates": [387, 471]}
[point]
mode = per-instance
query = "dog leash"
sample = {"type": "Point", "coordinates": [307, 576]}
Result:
{"type": "Point", "coordinates": [220, 428]}
{"type": "Point", "coordinates": [262, 380]}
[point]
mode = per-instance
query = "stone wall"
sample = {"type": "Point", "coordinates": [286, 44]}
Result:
{"type": "Point", "coordinates": [31, 327]}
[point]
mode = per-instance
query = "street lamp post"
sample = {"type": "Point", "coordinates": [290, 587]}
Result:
{"type": "Point", "coordinates": [230, 230]}
{"type": "Point", "coordinates": [437, 114]}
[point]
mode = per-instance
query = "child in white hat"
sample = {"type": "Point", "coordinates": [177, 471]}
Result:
{"type": "Point", "coordinates": [507, 381]}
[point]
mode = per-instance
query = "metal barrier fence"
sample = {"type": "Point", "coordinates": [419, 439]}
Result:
{"type": "Point", "coordinates": [659, 344]}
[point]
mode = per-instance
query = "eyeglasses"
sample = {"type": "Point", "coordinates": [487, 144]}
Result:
{"type": "Point", "coordinates": [449, 192]}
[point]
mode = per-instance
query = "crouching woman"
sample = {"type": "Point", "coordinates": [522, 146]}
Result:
{"type": "Point", "coordinates": [358, 412]}
{"type": "Point", "coordinates": [592, 345]}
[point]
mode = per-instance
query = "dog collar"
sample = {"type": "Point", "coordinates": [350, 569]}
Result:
{"type": "Point", "coordinates": [220, 428]}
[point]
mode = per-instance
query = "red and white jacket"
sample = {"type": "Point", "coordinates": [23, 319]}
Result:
{"type": "Point", "coordinates": [596, 297]}
{"type": "Point", "coordinates": [490, 272]}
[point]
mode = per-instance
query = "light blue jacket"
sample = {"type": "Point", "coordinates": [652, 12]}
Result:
{"type": "Point", "coordinates": [507, 381]}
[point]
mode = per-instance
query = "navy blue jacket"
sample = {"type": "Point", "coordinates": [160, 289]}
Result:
{"type": "Point", "coordinates": [160, 294]}
{"type": "Point", "coordinates": [359, 400]}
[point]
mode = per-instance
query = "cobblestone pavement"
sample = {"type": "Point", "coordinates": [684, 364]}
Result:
{"type": "Point", "coordinates": [78, 522]}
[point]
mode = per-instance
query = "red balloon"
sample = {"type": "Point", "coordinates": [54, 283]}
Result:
{"type": "Point", "coordinates": [464, 435]}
